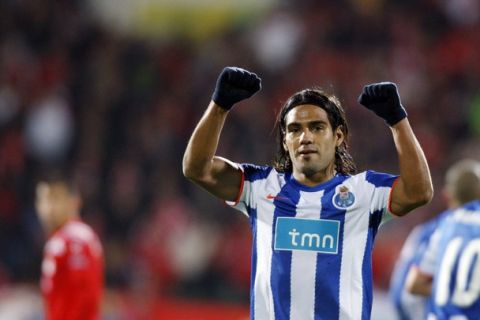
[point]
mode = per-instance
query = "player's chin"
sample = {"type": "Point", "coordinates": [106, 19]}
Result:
{"type": "Point", "coordinates": [306, 157]}
{"type": "Point", "coordinates": [309, 169]}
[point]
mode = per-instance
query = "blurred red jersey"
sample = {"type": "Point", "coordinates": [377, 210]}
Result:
{"type": "Point", "coordinates": [72, 273]}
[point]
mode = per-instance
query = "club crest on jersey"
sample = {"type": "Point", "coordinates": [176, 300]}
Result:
{"type": "Point", "coordinates": [343, 197]}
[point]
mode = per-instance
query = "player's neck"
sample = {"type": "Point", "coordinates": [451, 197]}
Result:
{"type": "Point", "coordinates": [63, 221]}
{"type": "Point", "coordinates": [316, 178]}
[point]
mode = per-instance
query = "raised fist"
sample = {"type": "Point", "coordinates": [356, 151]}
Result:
{"type": "Point", "coordinates": [234, 85]}
{"type": "Point", "coordinates": [383, 99]}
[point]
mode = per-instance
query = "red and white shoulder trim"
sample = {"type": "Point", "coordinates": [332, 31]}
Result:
{"type": "Point", "coordinates": [240, 189]}
{"type": "Point", "coordinates": [389, 204]}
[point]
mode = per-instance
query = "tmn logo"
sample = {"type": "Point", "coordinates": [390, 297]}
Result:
{"type": "Point", "coordinates": [318, 235]}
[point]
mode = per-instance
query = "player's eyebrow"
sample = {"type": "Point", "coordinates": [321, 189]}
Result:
{"type": "Point", "coordinates": [308, 123]}
{"type": "Point", "coordinates": [317, 122]}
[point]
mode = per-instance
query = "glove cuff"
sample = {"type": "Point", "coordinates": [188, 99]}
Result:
{"type": "Point", "coordinates": [396, 116]}
{"type": "Point", "coordinates": [222, 102]}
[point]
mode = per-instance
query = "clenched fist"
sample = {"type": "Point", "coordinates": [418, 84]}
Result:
{"type": "Point", "coordinates": [234, 85]}
{"type": "Point", "coordinates": [383, 99]}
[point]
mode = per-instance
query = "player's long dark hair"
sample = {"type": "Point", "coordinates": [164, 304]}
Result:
{"type": "Point", "coordinates": [344, 163]}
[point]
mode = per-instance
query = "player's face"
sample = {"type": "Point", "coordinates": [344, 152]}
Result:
{"type": "Point", "coordinates": [55, 204]}
{"type": "Point", "coordinates": [310, 140]}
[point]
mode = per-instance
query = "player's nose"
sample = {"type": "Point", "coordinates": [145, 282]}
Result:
{"type": "Point", "coordinates": [306, 137]}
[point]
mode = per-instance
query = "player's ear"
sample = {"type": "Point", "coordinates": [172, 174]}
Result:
{"type": "Point", "coordinates": [448, 197]}
{"type": "Point", "coordinates": [77, 202]}
{"type": "Point", "coordinates": [339, 135]}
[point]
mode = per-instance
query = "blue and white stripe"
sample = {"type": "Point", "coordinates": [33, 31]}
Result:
{"type": "Point", "coordinates": [300, 284]}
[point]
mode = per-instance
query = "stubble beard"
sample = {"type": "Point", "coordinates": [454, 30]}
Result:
{"type": "Point", "coordinates": [310, 170]}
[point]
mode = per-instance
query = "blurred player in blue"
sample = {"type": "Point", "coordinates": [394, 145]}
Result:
{"type": "Point", "coordinates": [313, 218]}
{"type": "Point", "coordinates": [449, 271]}
{"type": "Point", "coordinates": [409, 306]}
{"type": "Point", "coordinates": [458, 191]}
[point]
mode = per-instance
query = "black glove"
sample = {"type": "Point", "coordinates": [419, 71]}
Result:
{"type": "Point", "coordinates": [383, 99]}
{"type": "Point", "coordinates": [234, 85]}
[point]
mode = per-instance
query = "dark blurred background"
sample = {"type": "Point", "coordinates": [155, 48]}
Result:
{"type": "Point", "coordinates": [111, 91]}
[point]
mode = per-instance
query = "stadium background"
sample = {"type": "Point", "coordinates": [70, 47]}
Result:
{"type": "Point", "coordinates": [113, 89]}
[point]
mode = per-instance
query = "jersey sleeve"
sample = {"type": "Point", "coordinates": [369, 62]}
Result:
{"type": "Point", "coordinates": [383, 184]}
{"type": "Point", "coordinates": [427, 261]}
{"type": "Point", "coordinates": [252, 177]}
{"type": "Point", "coordinates": [54, 255]}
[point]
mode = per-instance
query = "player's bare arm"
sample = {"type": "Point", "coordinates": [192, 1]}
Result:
{"type": "Point", "coordinates": [414, 186]}
{"type": "Point", "coordinates": [418, 282]}
{"type": "Point", "coordinates": [218, 175]}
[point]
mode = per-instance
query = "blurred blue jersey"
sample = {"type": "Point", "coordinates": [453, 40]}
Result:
{"type": "Point", "coordinates": [312, 246]}
{"type": "Point", "coordinates": [453, 258]}
{"type": "Point", "coordinates": [409, 306]}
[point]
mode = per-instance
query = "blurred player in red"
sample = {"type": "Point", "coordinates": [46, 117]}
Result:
{"type": "Point", "coordinates": [72, 267]}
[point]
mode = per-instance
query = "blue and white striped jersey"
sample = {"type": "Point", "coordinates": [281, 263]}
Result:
{"type": "Point", "coordinates": [312, 246]}
{"type": "Point", "coordinates": [409, 306]}
{"type": "Point", "coordinates": [453, 258]}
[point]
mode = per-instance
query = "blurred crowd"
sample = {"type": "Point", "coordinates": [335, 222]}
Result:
{"type": "Point", "coordinates": [117, 112]}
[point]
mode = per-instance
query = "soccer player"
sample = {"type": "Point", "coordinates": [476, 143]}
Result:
{"type": "Point", "coordinates": [72, 267]}
{"type": "Point", "coordinates": [459, 189]}
{"type": "Point", "coordinates": [313, 218]}
{"type": "Point", "coordinates": [449, 272]}
{"type": "Point", "coordinates": [409, 306]}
